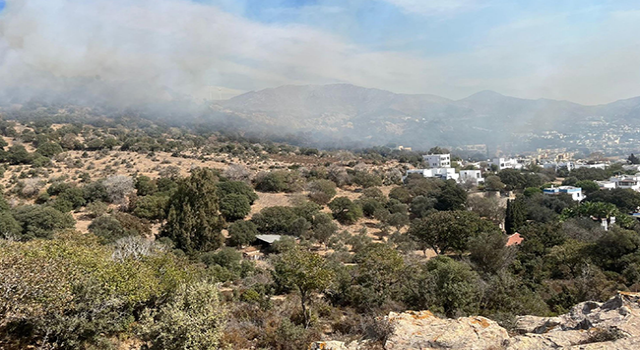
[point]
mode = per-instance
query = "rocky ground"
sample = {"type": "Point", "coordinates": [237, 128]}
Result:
{"type": "Point", "coordinates": [612, 325]}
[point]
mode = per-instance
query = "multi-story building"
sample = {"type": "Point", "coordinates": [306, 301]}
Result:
{"type": "Point", "coordinates": [437, 160]}
{"type": "Point", "coordinates": [471, 175]}
{"type": "Point", "coordinates": [506, 163]}
{"type": "Point", "coordinates": [441, 173]}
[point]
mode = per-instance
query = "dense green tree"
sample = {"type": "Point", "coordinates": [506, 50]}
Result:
{"type": "Point", "coordinates": [588, 186]}
{"type": "Point", "coordinates": [626, 200]}
{"type": "Point", "coordinates": [145, 186]}
{"type": "Point", "coordinates": [234, 207]}
{"type": "Point", "coordinates": [242, 233]}
{"type": "Point", "coordinates": [303, 271]}
{"type": "Point", "coordinates": [489, 251]}
{"type": "Point", "coordinates": [378, 274]}
{"type": "Point", "coordinates": [447, 230]}
{"type": "Point", "coordinates": [400, 194]}
{"type": "Point", "coordinates": [151, 207]}
{"type": "Point", "coordinates": [49, 149]}
{"type": "Point", "coordinates": [41, 221]}
{"type": "Point", "coordinates": [515, 216]}
{"type": "Point", "coordinates": [279, 181]}
{"type": "Point", "coordinates": [275, 220]}
{"type": "Point", "coordinates": [493, 183]}
{"type": "Point", "coordinates": [453, 286]}
{"type": "Point", "coordinates": [18, 154]}
{"type": "Point", "coordinates": [226, 188]}
{"type": "Point", "coordinates": [451, 197]}
{"type": "Point", "coordinates": [422, 206]}
{"type": "Point", "coordinates": [9, 227]}
{"type": "Point", "coordinates": [345, 211]}
{"type": "Point", "coordinates": [193, 220]}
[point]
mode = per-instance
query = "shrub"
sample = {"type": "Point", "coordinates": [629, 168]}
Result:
{"type": "Point", "coordinates": [242, 233]}
{"type": "Point", "coordinates": [345, 211]}
{"type": "Point", "coordinates": [234, 207]}
{"type": "Point", "coordinates": [321, 191]}
{"type": "Point", "coordinates": [41, 221]}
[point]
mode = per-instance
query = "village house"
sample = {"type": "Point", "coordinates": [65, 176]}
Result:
{"type": "Point", "coordinates": [574, 192]}
{"type": "Point", "coordinates": [437, 160]}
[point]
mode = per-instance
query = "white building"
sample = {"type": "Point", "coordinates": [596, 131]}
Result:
{"type": "Point", "coordinates": [441, 173]}
{"type": "Point", "coordinates": [602, 166]}
{"type": "Point", "coordinates": [473, 175]}
{"type": "Point", "coordinates": [438, 160]}
{"type": "Point", "coordinates": [559, 165]}
{"type": "Point", "coordinates": [574, 192]}
{"type": "Point", "coordinates": [606, 185]}
{"type": "Point", "coordinates": [627, 181]}
{"type": "Point", "coordinates": [506, 163]}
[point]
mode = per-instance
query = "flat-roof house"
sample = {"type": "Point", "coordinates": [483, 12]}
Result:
{"type": "Point", "coordinates": [437, 160]}
{"type": "Point", "coordinates": [574, 192]}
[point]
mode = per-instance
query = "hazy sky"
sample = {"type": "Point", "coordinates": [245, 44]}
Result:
{"type": "Point", "coordinates": [585, 51]}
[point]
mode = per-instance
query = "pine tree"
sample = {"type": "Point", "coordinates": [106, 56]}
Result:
{"type": "Point", "coordinates": [194, 221]}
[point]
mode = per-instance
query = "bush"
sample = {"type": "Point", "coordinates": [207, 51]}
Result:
{"type": "Point", "coordinates": [192, 319]}
{"type": "Point", "coordinates": [275, 220]}
{"type": "Point", "coordinates": [321, 191]}
{"type": "Point", "coordinates": [345, 211]}
{"type": "Point", "coordinates": [279, 181]}
{"type": "Point", "coordinates": [40, 221]}
{"type": "Point", "coordinates": [226, 188]}
{"type": "Point", "coordinates": [96, 209]}
{"type": "Point", "coordinates": [110, 228]}
{"type": "Point", "coordinates": [242, 233]}
{"type": "Point", "coordinates": [234, 207]}
{"type": "Point", "coordinates": [151, 207]}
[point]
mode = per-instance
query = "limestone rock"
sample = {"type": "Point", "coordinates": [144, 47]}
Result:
{"type": "Point", "coordinates": [612, 325]}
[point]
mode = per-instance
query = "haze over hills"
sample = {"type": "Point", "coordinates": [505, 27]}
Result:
{"type": "Point", "coordinates": [378, 116]}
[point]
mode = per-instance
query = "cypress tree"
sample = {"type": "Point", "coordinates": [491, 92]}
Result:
{"type": "Point", "coordinates": [194, 220]}
{"type": "Point", "coordinates": [515, 217]}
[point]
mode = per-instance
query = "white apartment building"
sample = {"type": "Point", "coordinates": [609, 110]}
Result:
{"type": "Point", "coordinates": [473, 175]}
{"type": "Point", "coordinates": [438, 160]}
{"type": "Point", "coordinates": [506, 163]}
{"type": "Point", "coordinates": [441, 173]}
{"type": "Point", "coordinates": [627, 181]}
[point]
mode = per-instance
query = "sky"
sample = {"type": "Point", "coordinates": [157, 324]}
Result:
{"type": "Point", "coordinates": [585, 51]}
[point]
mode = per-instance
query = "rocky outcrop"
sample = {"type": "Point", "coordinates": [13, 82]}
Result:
{"type": "Point", "coordinates": [614, 325]}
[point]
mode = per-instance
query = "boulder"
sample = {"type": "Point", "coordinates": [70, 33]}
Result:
{"type": "Point", "coordinates": [612, 325]}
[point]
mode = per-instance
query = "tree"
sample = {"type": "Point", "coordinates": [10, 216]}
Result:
{"type": "Point", "coordinates": [193, 220]}
{"type": "Point", "coordinates": [234, 207]}
{"type": "Point", "coordinates": [151, 207]}
{"type": "Point", "coordinates": [445, 230]}
{"type": "Point", "coordinates": [588, 186]}
{"type": "Point", "coordinates": [145, 186]}
{"type": "Point", "coordinates": [193, 319]}
{"type": "Point", "coordinates": [515, 216]}
{"type": "Point", "coordinates": [379, 270]}
{"type": "Point", "coordinates": [452, 285]}
{"type": "Point", "coordinates": [489, 251]}
{"type": "Point", "coordinates": [633, 159]}
{"type": "Point", "coordinates": [9, 227]}
{"type": "Point", "coordinates": [304, 271]}
{"type": "Point", "coordinates": [40, 221]}
{"type": "Point", "coordinates": [345, 211]}
{"type": "Point", "coordinates": [242, 233]}
{"type": "Point", "coordinates": [118, 187]}
{"type": "Point", "coordinates": [451, 197]}
{"type": "Point", "coordinates": [226, 188]}
{"type": "Point", "coordinates": [49, 149]}
{"type": "Point", "coordinates": [321, 191]}
{"type": "Point", "coordinates": [275, 220]}
{"type": "Point", "coordinates": [493, 183]}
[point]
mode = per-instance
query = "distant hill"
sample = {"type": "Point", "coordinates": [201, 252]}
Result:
{"type": "Point", "coordinates": [378, 116]}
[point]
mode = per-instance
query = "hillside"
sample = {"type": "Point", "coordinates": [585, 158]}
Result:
{"type": "Point", "coordinates": [378, 116]}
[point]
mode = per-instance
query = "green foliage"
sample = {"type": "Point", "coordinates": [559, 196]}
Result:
{"type": "Point", "coordinates": [626, 200]}
{"type": "Point", "coordinates": [145, 186]}
{"type": "Point", "coordinates": [493, 183]}
{"type": "Point", "coordinates": [447, 230]}
{"type": "Point", "coordinates": [515, 216]}
{"type": "Point", "coordinates": [589, 174]}
{"type": "Point", "coordinates": [279, 181]}
{"type": "Point", "coordinates": [226, 188]}
{"type": "Point", "coordinates": [275, 220]}
{"type": "Point", "coordinates": [451, 197]}
{"type": "Point", "coordinates": [40, 221]}
{"type": "Point", "coordinates": [193, 319]}
{"type": "Point", "coordinates": [303, 271]}
{"type": "Point", "coordinates": [234, 207]}
{"type": "Point", "coordinates": [321, 191]}
{"type": "Point", "coordinates": [516, 179]}
{"type": "Point", "coordinates": [193, 220]}
{"type": "Point", "coordinates": [110, 228]}
{"type": "Point", "coordinates": [9, 227]}
{"type": "Point", "coordinates": [489, 251]}
{"type": "Point", "coordinates": [379, 271]}
{"type": "Point", "coordinates": [151, 207]}
{"type": "Point", "coordinates": [531, 191]}
{"type": "Point", "coordinates": [588, 186]}
{"type": "Point", "coordinates": [453, 286]}
{"type": "Point", "coordinates": [49, 149]}
{"type": "Point", "coordinates": [242, 233]}
{"type": "Point", "coordinates": [345, 211]}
